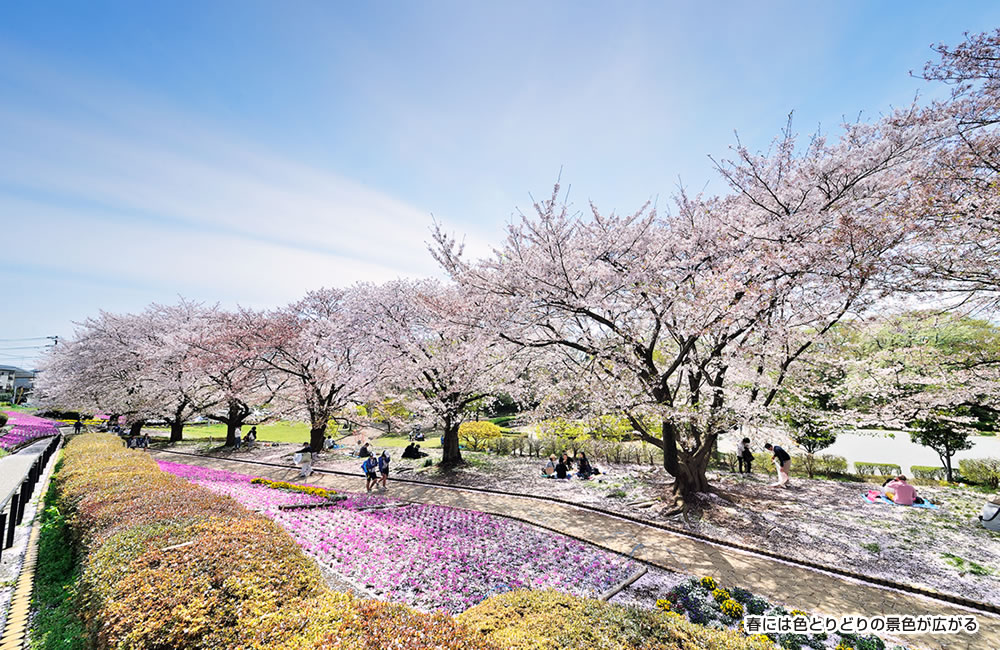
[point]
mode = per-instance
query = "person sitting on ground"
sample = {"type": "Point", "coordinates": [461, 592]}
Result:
{"type": "Point", "coordinates": [365, 451]}
{"type": "Point", "coordinates": [585, 470]}
{"type": "Point", "coordinates": [550, 468]}
{"type": "Point", "coordinates": [782, 461]}
{"type": "Point", "coordinates": [561, 467]}
{"type": "Point", "coordinates": [421, 454]}
{"type": "Point", "coordinates": [901, 492]}
{"type": "Point", "coordinates": [251, 436]}
{"type": "Point", "coordinates": [145, 441]}
{"type": "Point", "coordinates": [328, 442]}
{"type": "Point", "coordinates": [411, 451]}
{"type": "Point", "coordinates": [566, 460]}
{"type": "Point", "coordinates": [370, 470]}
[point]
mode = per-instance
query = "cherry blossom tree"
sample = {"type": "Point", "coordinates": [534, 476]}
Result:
{"type": "Point", "coordinates": [956, 214]}
{"type": "Point", "coordinates": [233, 380]}
{"type": "Point", "coordinates": [105, 366]}
{"type": "Point", "coordinates": [692, 320]}
{"type": "Point", "coordinates": [321, 348]}
{"type": "Point", "coordinates": [174, 369]}
{"type": "Point", "coordinates": [441, 352]}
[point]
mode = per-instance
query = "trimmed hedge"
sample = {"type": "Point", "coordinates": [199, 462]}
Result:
{"type": "Point", "coordinates": [242, 582]}
{"type": "Point", "coordinates": [928, 472]}
{"type": "Point", "coordinates": [876, 469]}
{"type": "Point", "coordinates": [551, 620]}
{"type": "Point", "coordinates": [984, 471]}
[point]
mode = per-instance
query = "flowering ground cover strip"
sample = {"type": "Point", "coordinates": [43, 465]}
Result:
{"type": "Point", "coordinates": [23, 427]}
{"type": "Point", "coordinates": [431, 557]}
{"type": "Point", "coordinates": [436, 557]}
{"type": "Point", "coordinates": [238, 486]}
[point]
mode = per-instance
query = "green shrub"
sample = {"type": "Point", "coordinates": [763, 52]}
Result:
{"type": "Point", "coordinates": [876, 469]}
{"type": "Point", "coordinates": [829, 464]}
{"type": "Point", "coordinates": [725, 461]}
{"type": "Point", "coordinates": [55, 624]}
{"type": "Point", "coordinates": [502, 446]}
{"type": "Point", "coordinates": [3, 418]}
{"type": "Point", "coordinates": [764, 461]}
{"type": "Point", "coordinates": [474, 435]}
{"type": "Point", "coordinates": [983, 471]}
{"type": "Point", "coordinates": [928, 472]}
{"type": "Point", "coordinates": [550, 620]}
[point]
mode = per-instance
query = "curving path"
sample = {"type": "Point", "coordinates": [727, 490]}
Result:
{"type": "Point", "coordinates": [824, 593]}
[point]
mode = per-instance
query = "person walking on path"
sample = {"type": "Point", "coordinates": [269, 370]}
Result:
{"type": "Point", "coordinates": [239, 436]}
{"type": "Point", "coordinates": [370, 470]}
{"type": "Point", "coordinates": [77, 426]}
{"type": "Point", "coordinates": [383, 467]}
{"type": "Point", "coordinates": [303, 458]}
{"type": "Point", "coordinates": [744, 456]}
{"type": "Point", "coordinates": [782, 461]}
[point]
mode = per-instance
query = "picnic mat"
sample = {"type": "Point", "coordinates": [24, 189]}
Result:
{"type": "Point", "coordinates": [874, 496]}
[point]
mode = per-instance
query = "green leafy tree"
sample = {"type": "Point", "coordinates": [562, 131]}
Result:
{"type": "Point", "coordinates": [944, 436]}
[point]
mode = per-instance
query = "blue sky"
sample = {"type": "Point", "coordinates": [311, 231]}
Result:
{"type": "Point", "coordinates": [245, 152]}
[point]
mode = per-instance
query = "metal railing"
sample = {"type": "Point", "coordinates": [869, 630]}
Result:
{"type": "Point", "coordinates": [19, 497]}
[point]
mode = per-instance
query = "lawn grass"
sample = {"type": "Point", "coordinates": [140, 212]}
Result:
{"type": "Point", "coordinates": [56, 624]}
{"type": "Point", "coordinates": [282, 431]}
{"type": "Point", "coordinates": [433, 441]}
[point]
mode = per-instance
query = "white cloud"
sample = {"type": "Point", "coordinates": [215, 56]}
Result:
{"type": "Point", "coordinates": [152, 196]}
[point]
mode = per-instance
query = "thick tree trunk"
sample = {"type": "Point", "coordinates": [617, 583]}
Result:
{"type": "Point", "coordinates": [236, 417]}
{"type": "Point", "coordinates": [947, 466]}
{"type": "Point", "coordinates": [317, 433]}
{"type": "Point", "coordinates": [136, 427]}
{"type": "Point", "coordinates": [452, 454]}
{"type": "Point", "coordinates": [688, 469]}
{"type": "Point", "coordinates": [176, 431]}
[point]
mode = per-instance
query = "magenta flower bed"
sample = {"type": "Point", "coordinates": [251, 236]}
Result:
{"type": "Point", "coordinates": [22, 428]}
{"type": "Point", "coordinates": [238, 486]}
{"type": "Point", "coordinates": [428, 556]}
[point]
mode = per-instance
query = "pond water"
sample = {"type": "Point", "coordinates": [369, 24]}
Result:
{"type": "Point", "coordinates": [877, 446]}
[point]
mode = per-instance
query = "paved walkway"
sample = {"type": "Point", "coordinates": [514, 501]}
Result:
{"type": "Point", "coordinates": [15, 467]}
{"type": "Point", "coordinates": [816, 591]}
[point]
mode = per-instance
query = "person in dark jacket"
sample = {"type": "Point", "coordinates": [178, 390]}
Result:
{"type": "Point", "coordinates": [585, 470]}
{"type": "Point", "coordinates": [782, 461]}
{"type": "Point", "coordinates": [383, 467]}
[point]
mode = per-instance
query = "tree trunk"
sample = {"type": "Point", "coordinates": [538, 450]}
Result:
{"type": "Point", "coordinates": [236, 417]}
{"type": "Point", "coordinates": [176, 430]}
{"type": "Point", "coordinates": [946, 460]}
{"type": "Point", "coordinates": [317, 433]}
{"type": "Point", "coordinates": [689, 469]}
{"type": "Point", "coordinates": [136, 427]}
{"type": "Point", "coordinates": [452, 454]}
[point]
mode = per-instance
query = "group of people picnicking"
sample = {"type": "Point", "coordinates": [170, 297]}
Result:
{"type": "Point", "coordinates": [560, 467]}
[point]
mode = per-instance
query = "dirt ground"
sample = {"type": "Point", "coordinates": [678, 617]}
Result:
{"type": "Point", "coordinates": [819, 520]}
